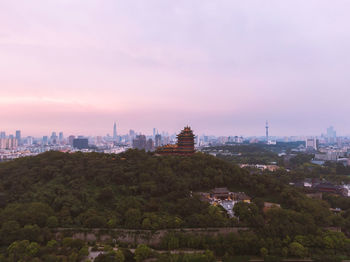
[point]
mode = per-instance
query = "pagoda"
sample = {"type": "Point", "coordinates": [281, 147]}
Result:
{"type": "Point", "coordinates": [184, 146]}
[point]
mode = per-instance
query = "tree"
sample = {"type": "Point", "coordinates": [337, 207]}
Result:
{"type": "Point", "coordinates": [133, 218]}
{"type": "Point", "coordinates": [119, 256]}
{"type": "Point", "coordinates": [263, 252]}
{"type": "Point", "coordinates": [31, 233]}
{"type": "Point", "coordinates": [33, 249]}
{"type": "Point", "coordinates": [297, 250]}
{"type": "Point", "coordinates": [111, 257]}
{"type": "Point", "coordinates": [9, 232]}
{"type": "Point", "coordinates": [142, 252]}
{"type": "Point", "coordinates": [52, 222]}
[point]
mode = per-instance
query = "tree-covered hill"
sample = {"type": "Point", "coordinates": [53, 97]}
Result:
{"type": "Point", "coordinates": [97, 190]}
{"type": "Point", "coordinates": [134, 189]}
{"type": "Point", "coordinates": [142, 191]}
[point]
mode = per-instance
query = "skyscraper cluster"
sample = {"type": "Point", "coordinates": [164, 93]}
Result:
{"type": "Point", "coordinates": [10, 142]}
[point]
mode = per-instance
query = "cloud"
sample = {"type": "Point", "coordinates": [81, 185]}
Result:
{"type": "Point", "coordinates": [224, 66]}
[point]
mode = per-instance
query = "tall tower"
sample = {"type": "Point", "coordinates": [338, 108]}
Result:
{"type": "Point", "coordinates": [267, 132]}
{"type": "Point", "coordinates": [115, 132]}
{"type": "Point", "coordinates": [18, 136]}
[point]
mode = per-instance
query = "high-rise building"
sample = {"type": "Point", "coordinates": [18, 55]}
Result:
{"type": "Point", "coordinates": [2, 134]}
{"type": "Point", "coordinates": [158, 140]}
{"type": "Point", "coordinates": [45, 140]}
{"type": "Point", "coordinates": [60, 136]}
{"type": "Point", "coordinates": [139, 142]}
{"type": "Point", "coordinates": [8, 143]}
{"type": "Point", "coordinates": [115, 132]}
{"type": "Point", "coordinates": [311, 144]}
{"type": "Point", "coordinates": [150, 145]}
{"type": "Point", "coordinates": [331, 132]}
{"type": "Point", "coordinates": [3, 143]}
{"type": "Point", "coordinates": [29, 140]}
{"type": "Point", "coordinates": [267, 132]}
{"type": "Point", "coordinates": [331, 135]}
{"type": "Point", "coordinates": [98, 140]}
{"type": "Point", "coordinates": [132, 134]}
{"type": "Point", "coordinates": [70, 140]}
{"type": "Point", "coordinates": [18, 136]}
{"type": "Point", "coordinates": [53, 138]}
{"type": "Point", "coordinates": [81, 143]}
{"type": "Point", "coordinates": [13, 143]}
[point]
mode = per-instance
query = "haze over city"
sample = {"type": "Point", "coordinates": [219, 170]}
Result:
{"type": "Point", "coordinates": [223, 67]}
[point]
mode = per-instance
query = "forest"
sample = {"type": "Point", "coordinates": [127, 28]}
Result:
{"type": "Point", "coordinates": [139, 190]}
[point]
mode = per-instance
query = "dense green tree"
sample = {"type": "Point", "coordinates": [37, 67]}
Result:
{"type": "Point", "coordinates": [143, 252]}
{"type": "Point", "coordinates": [298, 250]}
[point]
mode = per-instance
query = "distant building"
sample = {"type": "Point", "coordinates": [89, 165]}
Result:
{"type": "Point", "coordinates": [29, 140]}
{"type": "Point", "coordinates": [60, 137]}
{"type": "Point", "coordinates": [81, 143]}
{"type": "Point", "coordinates": [115, 132]}
{"type": "Point", "coordinates": [238, 139]}
{"type": "Point", "coordinates": [8, 143]}
{"type": "Point", "coordinates": [311, 144]}
{"type": "Point", "coordinates": [331, 135]}
{"type": "Point", "coordinates": [327, 187]}
{"type": "Point", "coordinates": [139, 142]}
{"type": "Point", "coordinates": [221, 196]}
{"type": "Point", "coordinates": [149, 145]}
{"type": "Point", "coordinates": [70, 140]}
{"type": "Point", "coordinates": [184, 146]}
{"type": "Point", "coordinates": [45, 140]}
{"type": "Point", "coordinates": [53, 138]}
{"type": "Point", "coordinates": [220, 193]}
{"type": "Point", "coordinates": [131, 134]}
{"type": "Point", "coordinates": [18, 137]}
{"type": "Point", "coordinates": [158, 140]}
{"type": "Point", "coordinates": [330, 156]}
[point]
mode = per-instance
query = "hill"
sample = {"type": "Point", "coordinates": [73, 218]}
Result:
{"type": "Point", "coordinates": [95, 189]}
{"type": "Point", "coordinates": [138, 190]}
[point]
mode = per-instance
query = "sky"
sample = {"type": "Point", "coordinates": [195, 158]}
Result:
{"type": "Point", "coordinates": [223, 67]}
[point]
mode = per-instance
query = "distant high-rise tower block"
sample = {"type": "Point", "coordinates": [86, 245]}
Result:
{"type": "Point", "coordinates": [154, 132]}
{"type": "Point", "coordinates": [45, 140]}
{"type": "Point", "coordinates": [60, 136]}
{"type": "Point", "coordinates": [311, 144]}
{"type": "Point", "coordinates": [267, 132]}
{"type": "Point", "coordinates": [81, 143]}
{"type": "Point", "coordinates": [18, 136]}
{"type": "Point", "coordinates": [149, 145]}
{"type": "Point", "coordinates": [158, 140]}
{"type": "Point", "coordinates": [139, 142]}
{"type": "Point", "coordinates": [115, 132]}
{"type": "Point", "coordinates": [70, 140]}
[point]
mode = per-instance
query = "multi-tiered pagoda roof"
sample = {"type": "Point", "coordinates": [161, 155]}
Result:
{"type": "Point", "coordinates": [184, 146]}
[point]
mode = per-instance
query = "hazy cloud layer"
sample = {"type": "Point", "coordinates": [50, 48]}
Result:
{"type": "Point", "coordinates": [223, 67]}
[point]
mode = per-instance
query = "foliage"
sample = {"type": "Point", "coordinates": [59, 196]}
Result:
{"type": "Point", "coordinates": [141, 191]}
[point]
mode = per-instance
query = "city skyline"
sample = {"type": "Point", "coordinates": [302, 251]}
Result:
{"type": "Point", "coordinates": [223, 67]}
{"type": "Point", "coordinates": [328, 131]}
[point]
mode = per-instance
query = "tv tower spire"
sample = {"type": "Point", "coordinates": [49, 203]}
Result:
{"type": "Point", "coordinates": [267, 132]}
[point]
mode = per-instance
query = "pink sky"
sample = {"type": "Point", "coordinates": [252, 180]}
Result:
{"type": "Point", "coordinates": [223, 67]}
